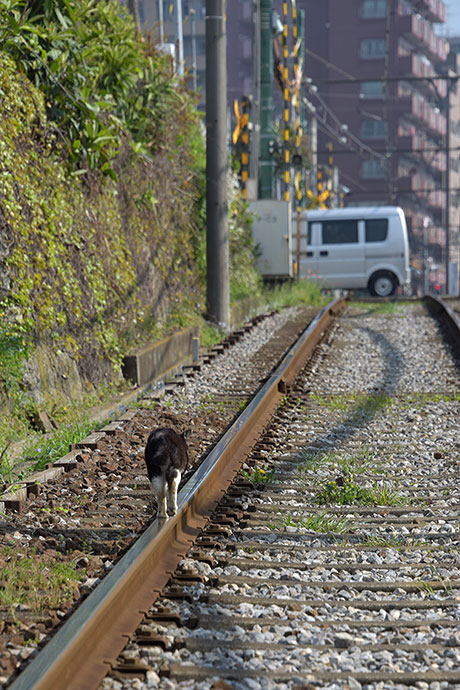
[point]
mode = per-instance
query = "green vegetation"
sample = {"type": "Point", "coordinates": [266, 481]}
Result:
{"type": "Point", "coordinates": [258, 475]}
{"type": "Point", "coordinates": [100, 83]}
{"type": "Point", "coordinates": [317, 522]}
{"type": "Point", "coordinates": [102, 210]}
{"type": "Point", "coordinates": [361, 462]}
{"type": "Point", "coordinates": [94, 262]}
{"type": "Point", "coordinates": [359, 405]}
{"type": "Point", "coordinates": [345, 490]}
{"type": "Point", "coordinates": [41, 449]}
{"type": "Point", "coordinates": [54, 446]}
{"type": "Point", "coordinates": [296, 293]}
{"type": "Point", "coordinates": [39, 584]}
{"type": "Point", "coordinates": [377, 308]}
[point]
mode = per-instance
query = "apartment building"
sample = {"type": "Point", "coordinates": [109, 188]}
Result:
{"type": "Point", "coordinates": [380, 67]}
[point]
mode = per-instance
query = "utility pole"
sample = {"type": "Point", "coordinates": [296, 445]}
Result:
{"type": "Point", "coordinates": [447, 148]}
{"type": "Point", "coordinates": [180, 39]}
{"type": "Point", "coordinates": [266, 162]}
{"type": "Point", "coordinates": [217, 247]}
{"type": "Point", "coordinates": [160, 17]}
{"type": "Point", "coordinates": [255, 135]}
{"type": "Point", "coordinates": [192, 16]}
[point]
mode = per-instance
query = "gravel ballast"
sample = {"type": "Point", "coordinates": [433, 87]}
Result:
{"type": "Point", "coordinates": [344, 572]}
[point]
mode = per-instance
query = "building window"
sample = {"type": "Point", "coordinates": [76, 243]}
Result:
{"type": "Point", "coordinates": [376, 230]}
{"type": "Point", "coordinates": [373, 170]}
{"type": "Point", "coordinates": [373, 9]}
{"type": "Point", "coordinates": [373, 129]}
{"type": "Point", "coordinates": [373, 48]}
{"type": "Point", "coordinates": [404, 8]}
{"type": "Point", "coordinates": [371, 89]}
{"type": "Point", "coordinates": [340, 232]}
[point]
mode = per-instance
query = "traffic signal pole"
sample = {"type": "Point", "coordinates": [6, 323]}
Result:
{"type": "Point", "coordinates": [217, 242]}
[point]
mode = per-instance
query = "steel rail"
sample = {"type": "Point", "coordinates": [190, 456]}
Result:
{"type": "Point", "coordinates": [439, 308]}
{"type": "Point", "coordinates": [83, 650]}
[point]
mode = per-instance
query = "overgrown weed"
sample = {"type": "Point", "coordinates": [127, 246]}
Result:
{"type": "Point", "coordinates": [39, 584]}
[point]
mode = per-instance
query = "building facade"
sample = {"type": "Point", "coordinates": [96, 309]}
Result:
{"type": "Point", "coordinates": [383, 71]}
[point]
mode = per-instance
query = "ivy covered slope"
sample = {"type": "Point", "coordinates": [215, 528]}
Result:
{"type": "Point", "coordinates": [101, 167]}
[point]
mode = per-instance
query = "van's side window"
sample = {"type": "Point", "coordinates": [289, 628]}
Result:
{"type": "Point", "coordinates": [340, 231]}
{"type": "Point", "coordinates": [376, 230]}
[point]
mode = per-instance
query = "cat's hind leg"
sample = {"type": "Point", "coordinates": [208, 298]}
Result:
{"type": "Point", "coordinates": [172, 493]}
{"type": "Point", "coordinates": [159, 489]}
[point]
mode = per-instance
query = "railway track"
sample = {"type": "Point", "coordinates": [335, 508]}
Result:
{"type": "Point", "coordinates": [330, 560]}
{"type": "Point", "coordinates": [80, 515]}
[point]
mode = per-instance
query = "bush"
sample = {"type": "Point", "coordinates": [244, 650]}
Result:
{"type": "Point", "coordinates": [100, 81]}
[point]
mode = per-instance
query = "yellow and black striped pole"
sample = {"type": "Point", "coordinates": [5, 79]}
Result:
{"type": "Point", "coordinates": [331, 175]}
{"type": "Point", "coordinates": [244, 147]}
{"type": "Point", "coordinates": [287, 174]}
{"type": "Point", "coordinates": [297, 76]}
{"type": "Point", "coordinates": [319, 182]}
{"type": "Point", "coordinates": [297, 127]}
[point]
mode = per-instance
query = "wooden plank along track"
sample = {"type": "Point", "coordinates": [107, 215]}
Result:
{"type": "Point", "coordinates": [83, 650]}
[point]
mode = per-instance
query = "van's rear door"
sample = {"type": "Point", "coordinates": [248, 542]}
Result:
{"type": "Point", "coordinates": [341, 253]}
{"type": "Point", "coordinates": [308, 248]}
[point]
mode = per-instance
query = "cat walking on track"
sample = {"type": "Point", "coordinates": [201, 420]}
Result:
{"type": "Point", "coordinates": [166, 457]}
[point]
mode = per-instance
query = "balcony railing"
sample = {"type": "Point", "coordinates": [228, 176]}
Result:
{"type": "Point", "coordinates": [424, 186]}
{"type": "Point", "coordinates": [417, 108]}
{"type": "Point", "coordinates": [416, 146]}
{"type": "Point", "coordinates": [436, 10]}
{"type": "Point", "coordinates": [420, 31]}
{"type": "Point", "coordinates": [415, 66]}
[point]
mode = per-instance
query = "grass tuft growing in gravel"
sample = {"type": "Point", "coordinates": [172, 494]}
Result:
{"type": "Point", "coordinates": [51, 448]}
{"type": "Point", "coordinates": [376, 308]}
{"type": "Point", "coordinates": [39, 584]}
{"type": "Point", "coordinates": [296, 293]}
{"type": "Point", "coordinates": [258, 475]}
{"type": "Point", "coordinates": [358, 405]}
{"type": "Point", "coordinates": [361, 462]}
{"type": "Point", "coordinates": [344, 490]}
{"type": "Point", "coordinates": [317, 522]}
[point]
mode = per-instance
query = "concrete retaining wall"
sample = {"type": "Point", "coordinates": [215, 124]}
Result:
{"type": "Point", "coordinates": [155, 360]}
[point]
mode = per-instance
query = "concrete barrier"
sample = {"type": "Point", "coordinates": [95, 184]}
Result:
{"type": "Point", "coordinates": [157, 359]}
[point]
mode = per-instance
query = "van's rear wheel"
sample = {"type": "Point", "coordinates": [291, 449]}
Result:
{"type": "Point", "coordinates": [382, 284]}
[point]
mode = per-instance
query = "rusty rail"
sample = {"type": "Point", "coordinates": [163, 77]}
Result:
{"type": "Point", "coordinates": [83, 650]}
{"type": "Point", "coordinates": [439, 308]}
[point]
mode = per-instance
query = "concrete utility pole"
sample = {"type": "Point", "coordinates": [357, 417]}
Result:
{"type": "Point", "coordinates": [449, 87]}
{"type": "Point", "coordinates": [194, 75]}
{"type": "Point", "coordinates": [160, 18]}
{"type": "Point", "coordinates": [217, 248]}
{"type": "Point", "coordinates": [179, 39]}
{"type": "Point", "coordinates": [266, 162]}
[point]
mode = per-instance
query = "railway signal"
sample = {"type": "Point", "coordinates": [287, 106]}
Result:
{"type": "Point", "coordinates": [241, 131]}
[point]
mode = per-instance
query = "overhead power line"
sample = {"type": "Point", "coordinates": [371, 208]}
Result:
{"type": "Point", "coordinates": [440, 149]}
{"type": "Point", "coordinates": [403, 192]}
{"type": "Point", "coordinates": [360, 80]}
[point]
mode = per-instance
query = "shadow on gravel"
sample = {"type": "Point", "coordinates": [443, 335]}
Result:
{"type": "Point", "coordinates": [367, 404]}
{"type": "Point", "coordinates": [449, 338]}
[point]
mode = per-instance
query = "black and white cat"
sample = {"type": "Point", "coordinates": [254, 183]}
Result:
{"type": "Point", "coordinates": [166, 457]}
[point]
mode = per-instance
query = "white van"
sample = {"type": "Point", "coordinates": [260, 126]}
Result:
{"type": "Point", "coordinates": [354, 247]}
